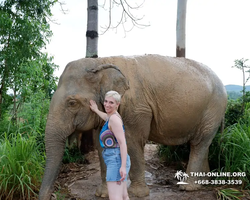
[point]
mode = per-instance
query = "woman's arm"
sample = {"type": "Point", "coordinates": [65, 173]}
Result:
{"type": "Point", "coordinates": [115, 124]}
{"type": "Point", "coordinates": [94, 108]}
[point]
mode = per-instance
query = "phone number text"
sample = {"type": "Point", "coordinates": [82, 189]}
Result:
{"type": "Point", "coordinates": [218, 182]}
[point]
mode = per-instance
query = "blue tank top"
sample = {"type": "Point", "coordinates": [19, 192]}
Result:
{"type": "Point", "coordinates": [107, 138]}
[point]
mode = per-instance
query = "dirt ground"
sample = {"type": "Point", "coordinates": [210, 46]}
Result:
{"type": "Point", "coordinates": [79, 181]}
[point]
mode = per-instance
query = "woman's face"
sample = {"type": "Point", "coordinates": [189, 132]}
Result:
{"type": "Point", "coordinates": [110, 105]}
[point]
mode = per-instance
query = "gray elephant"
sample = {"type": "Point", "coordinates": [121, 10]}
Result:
{"type": "Point", "coordinates": [167, 100]}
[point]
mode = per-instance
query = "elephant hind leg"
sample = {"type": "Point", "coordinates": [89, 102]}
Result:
{"type": "Point", "coordinates": [136, 146]}
{"type": "Point", "coordinates": [198, 159]}
{"type": "Point", "coordinates": [198, 163]}
{"type": "Point", "coordinates": [138, 186]}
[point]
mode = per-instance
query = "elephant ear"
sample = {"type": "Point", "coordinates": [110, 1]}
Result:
{"type": "Point", "coordinates": [109, 77]}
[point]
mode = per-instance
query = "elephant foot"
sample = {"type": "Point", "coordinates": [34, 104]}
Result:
{"type": "Point", "coordinates": [138, 190]}
{"type": "Point", "coordinates": [191, 186]}
{"type": "Point", "coordinates": [102, 191]}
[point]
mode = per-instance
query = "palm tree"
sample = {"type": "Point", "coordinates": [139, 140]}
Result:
{"type": "Point", "coordinates": [185, 176]}
{"type": "Point", "coordinates": [181, 28]}
{"type": "Point", "coordinates": [178, 174]}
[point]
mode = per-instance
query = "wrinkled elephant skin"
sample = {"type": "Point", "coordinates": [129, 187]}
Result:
{"type": "Point", "coordinates": [167, 100]}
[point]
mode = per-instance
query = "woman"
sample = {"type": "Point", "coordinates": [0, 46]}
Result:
{"type": "Point", "coordinates": [112, 140]}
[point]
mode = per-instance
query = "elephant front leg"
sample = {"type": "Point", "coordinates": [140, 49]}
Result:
{"type": "Point", "coordinates": [102, 190]}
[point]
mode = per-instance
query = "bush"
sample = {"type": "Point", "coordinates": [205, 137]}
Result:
{"type": "Point", "coordinates": [233, 113]}
{"type": "Point", "coordinates": [7, 125]}
{"type": "Point", "coordinates": [214, 153]}
{"type": "Point", "coordinates": [34, 112]}
{"type": "Point", "coordinates": [236, 109]}
{"type": "Point", "coordinates": [231, 149]}
{"type": "Point", "coordinates": [73, 154]}
{"type": "Point", "coordinates": [235, 149]}
{"type": "Point", "coordinates": [234, 95]}
{"type": "Point", "coordinates": [175, 154]}
{"type": "Point", "coordinates": [21, 166]}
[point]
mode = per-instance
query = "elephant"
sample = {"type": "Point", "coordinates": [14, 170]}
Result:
{"type": "Point", "coordinates": [167, 100]}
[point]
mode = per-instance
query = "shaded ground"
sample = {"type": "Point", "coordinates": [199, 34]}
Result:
{"type": "Point", "coordinates": [79, 182]}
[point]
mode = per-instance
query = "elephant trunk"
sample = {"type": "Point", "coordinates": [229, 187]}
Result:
{"type": "Point", "coordinates": [54, 153]}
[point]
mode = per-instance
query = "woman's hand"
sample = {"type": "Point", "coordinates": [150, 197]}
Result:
{"type": "Point", "coordinates": [123, 173]}
{"type": "Point", "coordinates": [93, 106]}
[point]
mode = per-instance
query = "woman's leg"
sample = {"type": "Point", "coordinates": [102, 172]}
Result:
{"type": "Point", "coordinates": [125, 191]}
{"type": "Point", "coordinates": [117, 190]}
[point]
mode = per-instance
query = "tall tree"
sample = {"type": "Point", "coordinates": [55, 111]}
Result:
{"type": "Point", "coordinates": [181, 28]}
{"type": "Point", "coordinates": [24, 33]}
{"type": "Point", "coordinates": [241, 65]}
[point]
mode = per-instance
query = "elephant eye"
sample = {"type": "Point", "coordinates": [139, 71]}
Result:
{"type": "Point", "coordinates": [72, 103]}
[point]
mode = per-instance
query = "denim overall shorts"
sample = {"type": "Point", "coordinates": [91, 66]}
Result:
{"type": "Point", "coordinates": [112, 155]}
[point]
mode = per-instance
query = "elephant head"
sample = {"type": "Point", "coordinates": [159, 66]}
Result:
{"type": "Point", "coordinates": [81, 81]}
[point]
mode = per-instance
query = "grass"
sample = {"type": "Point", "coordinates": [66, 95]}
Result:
{"type": "Point", "coordinates": [21, 167]}
{"type": "Point", "coordinates": [73, 155]}
{"type": "Point", "coordinates": [229, 194]}
{"type": "Point", "coordinates": [235, 150]}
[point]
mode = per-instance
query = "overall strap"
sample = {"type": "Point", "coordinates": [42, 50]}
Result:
{"type": "Point", "coordinates": [116, 113]}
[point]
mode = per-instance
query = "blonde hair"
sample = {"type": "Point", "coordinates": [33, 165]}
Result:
{"type": "Point", "coordinates": [114, 94]}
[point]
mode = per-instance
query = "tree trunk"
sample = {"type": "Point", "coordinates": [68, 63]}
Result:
{"type": "Point", "coordinates": [181, 29]}
{"type": "Point", "coordinates": [92, 29]}
{"type": "Point", "coordinates": [3, 80]}
{"type": "Point", "coordinates": [244, 89]}
{"type": "Point", "coordinates": [3, 87]}
{"type": "Point", "coordinates": [1, 99]}
{"type": "Point", "coordinates": [15, 106]}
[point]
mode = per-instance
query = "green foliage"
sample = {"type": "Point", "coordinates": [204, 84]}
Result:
{"type": "Point", "coordinates": [73, 154]}
{"type": "Point", "coordinates": [21, 166]}
{"type": "Point", "coordinates": [232, 95]}
{"type": "Point", "coordinates": [25, 71]}
{"type": "Point", "coordinates": [234, 149]}
{"type": "Point", "coordinates": [174, 154]}
{"type": "Point", "coordinates": [7, 102]}
{"type": "Point", "coordinates": [233, 112]}
{"type": "Point", "coordinates": [24, 32]}
{"type": "Point", "coordinates": [31, 118]}
{"type": "Point", "coordinates": [229, 194]}
{"type": "Point", "coordinates": [247, 97]}
{"type": "Point", "coordinates": [214, 153]}
{"type": "Point", "coordinates": [230, 151]}
{"type": "Point", "coordinates": [6, 124]}
{"type": "Point", "coordinates": [34, 112]}
{"type": "Point", "coordinates": [241, 65]}
{"type": "Point", "coordinates": [36, 76]}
